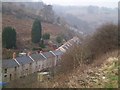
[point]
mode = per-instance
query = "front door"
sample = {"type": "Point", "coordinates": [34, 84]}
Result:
{"type": "Point", "coordinates": [10, 77]}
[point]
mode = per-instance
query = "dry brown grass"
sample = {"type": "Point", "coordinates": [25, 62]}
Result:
{"type": "Point", "coordinates": [90, 76]}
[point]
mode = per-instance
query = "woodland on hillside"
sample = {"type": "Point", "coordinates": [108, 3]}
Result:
{"type": "Point", "coordinates": [21, 17]}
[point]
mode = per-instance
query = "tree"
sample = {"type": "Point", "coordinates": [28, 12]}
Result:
{"type": "Point", "coordinates": [9, 37]}
{"type": "Point", "coordinates": [104, 40]}
{"type": "Point", "coordinates": [46, 36]}
{"type": "Point", "coordinates": [42, 45]}
{"type": "Point", "coordinates": [36, 31]}
{"type": "Point", "coordinates": [58, 39]}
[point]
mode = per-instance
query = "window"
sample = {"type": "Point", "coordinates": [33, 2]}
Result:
{"type": "Point", "coordinates": [15, 68]}
{"type": "Point", "coordinates": [5, 70]}
{"type": "Point", "coordinates": [22, 66]}
{"type": "Point", "coordinates": [15, 75]}
{"type": "Point", "coordinates": [30, 64]}
{"type": "Point", "coordinates": [10, 76]}
{"type": "Point", "coordinates": [5, 75]}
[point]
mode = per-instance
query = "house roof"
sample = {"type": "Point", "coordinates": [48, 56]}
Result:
{"type": "Point", "coordinates": [10, 63]}
{"type": "Point", "coordinates": [64, 47]}
{"type": "Point", "coordinates": [37, 57]}
{"type": "Point", "coordinates": [57, 52]}
{"type": "Point", "coordinates": [48, 54]}
{"type": "Point", "coordinates": [24, 59]}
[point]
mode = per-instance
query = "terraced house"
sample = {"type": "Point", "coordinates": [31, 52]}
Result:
{"type": "Point", "coordinates": [21, 66]}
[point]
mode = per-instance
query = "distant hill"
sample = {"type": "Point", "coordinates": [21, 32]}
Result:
{"type": "Point", "coordinates": [29, 10]}
{"type": "Point", "coordinates": [21, 16]}
{"type": "Point", "coordinates": [87, 18]}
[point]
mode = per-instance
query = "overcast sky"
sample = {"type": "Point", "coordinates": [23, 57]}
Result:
{"type": "Point", "coordinates": [106, 3]}
{"type": "Point", "coordinates": [101, 3]}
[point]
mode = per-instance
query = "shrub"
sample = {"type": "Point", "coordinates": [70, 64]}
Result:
{"type": "Point", "coordinates": [71, 59]}
{"type": "Point", "coordinates": [39, 48]}
{"type": "Point", "coordinates": [59, 39]}
{"type": "Point", "coordinates": [42, 45]}
{"type": "Point", "coordinates": [104, 40]}
{"type": "Point", "coordinates": [46, 36]}
{"type": "Point", "coordinates": [9, 38]}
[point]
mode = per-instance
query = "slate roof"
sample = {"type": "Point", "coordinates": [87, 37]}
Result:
{"type": "Point", "coordinates": [57, 52]}
{"type": "Point", "coordinates": [37, 57]}
{"type": "Point", "coordinates": [24, 60]}
{"type": "Point", "coordinates": [67, 45]}
{"type": "Point", "coordinates": [48, 54]}
{"type": "Point", "coordinates": [64, 48]}
{"type": "Point", "coordinates": [10, 63]}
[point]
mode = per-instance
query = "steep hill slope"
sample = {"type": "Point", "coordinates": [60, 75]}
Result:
{"type": "Point", "coordinates": [21, 17]}
{"type": "Point", "coordinates": [24, 26]}
{"type": "Point", "coordinates": [103, 73]}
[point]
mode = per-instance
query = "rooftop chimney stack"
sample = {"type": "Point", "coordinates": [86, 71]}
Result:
{"type": "Point", "coordinates": [29, 53]}
{"type": "Point", "coordinates": [40, 51]}
{"type": "Point", "coordinates": [14, 55]}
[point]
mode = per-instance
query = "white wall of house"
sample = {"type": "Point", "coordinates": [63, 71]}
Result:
{"type": "Point", "coordinates": [29, 68]}
{"type": "Point", "coordinates": [25, 69]}
{"type": "Point", "coordinates": [40, 65]}
{"type": "Point", "coordinates": [33, 67]}
{"type": "Point", "coordinates": [44, 65]}
{"type": "Point", "coordinates": [17, 72]}
{"type": "Point", "coordinates": [9, 74]}
{"type": "Point", "coordinates": [51, 62]}
{"type": "Point", "coordinates": [58, 58]}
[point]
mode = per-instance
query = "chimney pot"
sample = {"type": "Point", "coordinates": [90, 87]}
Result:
{"type": "Point", "coordinates": [40, 51]}
{"type": "Point", "coordinates": [29, 53]}
{"type": "Point", "coordinates": [14, 55]}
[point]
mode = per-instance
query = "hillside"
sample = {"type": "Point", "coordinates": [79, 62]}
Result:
{"type": "Point", "coordinates": [21, 17]}
{"type": "Point", "coordinates": [97, 75]}
{"type": "Point", "coordinates": [87, 18]}
{"type": "Point", "coordinates": [23, 28]}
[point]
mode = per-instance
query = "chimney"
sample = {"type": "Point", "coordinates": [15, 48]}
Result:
{"type": "Point", "coordinates": [40, 51]}
{"type": "Point", "coordinates": [29, 53]}
{"type": "Point", "coordinates": [14, 55]}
